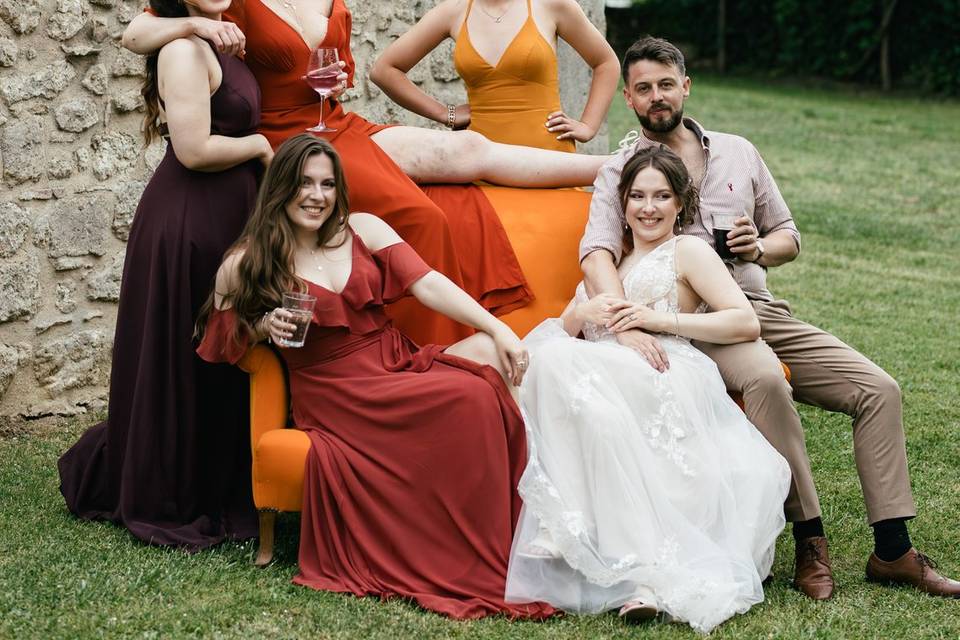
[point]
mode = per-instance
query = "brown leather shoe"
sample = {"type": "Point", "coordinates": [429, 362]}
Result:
{"type": "Point", "coordinates": [913, 569]}
{"type": "Point", "coordinates": [812, 575]}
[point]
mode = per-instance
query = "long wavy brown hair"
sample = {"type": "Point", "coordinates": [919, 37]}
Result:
{"type": "Point", "coordinates": [671, 166]}
{"type": "Point", "coordinates": [267, 244]}
{"type": "Point", "coordinates": [149, 89]}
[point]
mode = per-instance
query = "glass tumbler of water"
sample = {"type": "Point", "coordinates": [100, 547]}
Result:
{"type": "Point", "coordinates": [300, 307]}
{"type": "Point", "coordinates": [722, 224]}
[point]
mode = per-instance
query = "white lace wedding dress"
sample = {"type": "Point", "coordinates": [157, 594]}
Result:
{"type": "Point", "coordinates": [647, 484]}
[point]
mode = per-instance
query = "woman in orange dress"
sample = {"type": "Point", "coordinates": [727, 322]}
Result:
{"type": "Point", "coordinates": [505, 53]}
{"type": "Point", "coordinates": [382, 164]}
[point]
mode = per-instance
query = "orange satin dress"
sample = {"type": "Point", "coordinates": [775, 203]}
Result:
{"type": "Point", "coordinates": [509, 103]}
{"type": "Point", "coordinates": [452, 227]}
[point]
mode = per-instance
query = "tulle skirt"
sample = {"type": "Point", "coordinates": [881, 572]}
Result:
{"type": "Point", "coordinates": [641, 484]}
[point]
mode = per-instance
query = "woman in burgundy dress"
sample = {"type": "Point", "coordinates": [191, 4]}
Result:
{"type": "Point", "coordinates": [410, 483]}
{"type": "Point", "coordinates": [172, 461]}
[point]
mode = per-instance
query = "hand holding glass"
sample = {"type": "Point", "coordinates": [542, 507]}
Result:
{"type": "Point", "coordinates": [322, 71]}
{"type": "Point", "coordinates": [723, 223]}
{"type": "Point", "coordinates": [299, 306]}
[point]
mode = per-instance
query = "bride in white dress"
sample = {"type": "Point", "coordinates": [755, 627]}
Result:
{"type": "Point", "coordinates": [646, 491]}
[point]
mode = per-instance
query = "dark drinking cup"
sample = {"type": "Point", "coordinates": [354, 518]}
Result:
{"type": "Point", "coordinates": [723, 223]}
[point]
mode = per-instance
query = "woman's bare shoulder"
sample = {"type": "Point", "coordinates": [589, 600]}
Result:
{"type": "Point", "coordinates": [560, 7]}
{"type": "Point", "coordinates": [184, 49]}
{"type": "Point", "coordinates": [228, 275]}
{"type": "Point", "coordinates": [374, 232]}
{"type": "Point", "coordinates": [693, 248]}
{"type": "Point", "coordinates": [450, 9]}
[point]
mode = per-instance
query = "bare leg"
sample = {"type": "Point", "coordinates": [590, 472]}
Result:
{"type": "Point", "coordinates": [480, 348]}
{"type": "Point", "coordinates": [429, 155]}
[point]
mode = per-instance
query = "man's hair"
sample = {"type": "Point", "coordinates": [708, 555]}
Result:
{"type": "Point", "coordinates": [655, 49]}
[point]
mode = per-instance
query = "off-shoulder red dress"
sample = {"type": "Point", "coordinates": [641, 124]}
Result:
{"type": "Point", "coordinates": [410, 482]}
{"type": "Point", "coordinates": [455, 229]}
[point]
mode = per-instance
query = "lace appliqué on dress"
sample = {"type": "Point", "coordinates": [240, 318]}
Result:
{"type": "Point", "coordinates": [584, 390]}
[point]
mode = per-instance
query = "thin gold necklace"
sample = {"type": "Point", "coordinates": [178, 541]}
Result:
{"type": "Point", "coordinates": [294, 13]}
{"type": "Point", "coordinates": [498, 18]}
{"type": "Point", "coordinates": [316, 259]}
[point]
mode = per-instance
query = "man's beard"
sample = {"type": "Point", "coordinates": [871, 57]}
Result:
{"type": "Point", "coordinates": [661, 126]}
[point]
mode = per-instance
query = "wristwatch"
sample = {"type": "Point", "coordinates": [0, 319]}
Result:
{"type": "Point", "coordinates": [760, 250]}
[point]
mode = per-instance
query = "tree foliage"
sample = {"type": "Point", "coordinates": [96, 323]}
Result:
{"type": "Point", "coordinates": [814, 38]}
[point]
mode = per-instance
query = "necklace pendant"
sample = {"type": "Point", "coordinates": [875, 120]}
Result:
{"type": "Point", "coordinates": [497, 20]}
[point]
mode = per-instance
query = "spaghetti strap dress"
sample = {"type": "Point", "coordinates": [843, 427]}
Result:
{"type": "Point", "coordinates": [172, 461]}
{"type": "Point", "coordinates": [510, 99]}
{"type": "Point", "coordinates": [410, 481]}
{"type": "Point", "coordinates": [453, 227]}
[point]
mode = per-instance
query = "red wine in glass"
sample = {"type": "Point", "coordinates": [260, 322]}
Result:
{"type": "Point", "coordinates": [322, 71]}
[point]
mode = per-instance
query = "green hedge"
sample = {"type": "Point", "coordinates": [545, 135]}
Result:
{"type": "Point", "coordinates": [815, 38]}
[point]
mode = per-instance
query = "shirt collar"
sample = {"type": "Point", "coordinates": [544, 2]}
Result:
{"type": "Point", "coordinates": [643, 141]}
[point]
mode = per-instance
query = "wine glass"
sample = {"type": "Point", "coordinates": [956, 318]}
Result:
{"type": "Point", "coordinates": [322, 71]}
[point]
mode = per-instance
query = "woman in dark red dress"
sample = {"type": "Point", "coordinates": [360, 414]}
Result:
{"type": "Point", "coordinates": [410, 483]}
{"type": "Point", "coordinates": [172, 461]}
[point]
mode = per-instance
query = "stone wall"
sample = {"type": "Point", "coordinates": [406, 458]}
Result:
{"type": "Point", "coordinates": [73, 166]}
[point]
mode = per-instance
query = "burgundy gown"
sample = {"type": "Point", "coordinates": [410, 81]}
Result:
{"type": "Point", "coordinates": [172, 461]}
{"type": "Point", "coordinates": [410, 483]}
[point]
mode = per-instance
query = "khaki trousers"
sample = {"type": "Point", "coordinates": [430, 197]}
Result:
{"type": "Point", "coordinates": [825, 373]}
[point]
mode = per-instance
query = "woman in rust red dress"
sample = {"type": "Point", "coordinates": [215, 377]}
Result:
{"type": "Point", "coordinates": [410, 482]}
{"type": "Point", "coordinates": [383, 163]}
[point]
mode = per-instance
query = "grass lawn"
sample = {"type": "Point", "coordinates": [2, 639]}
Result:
{"type": "Point", "coordinates": [873, 184]}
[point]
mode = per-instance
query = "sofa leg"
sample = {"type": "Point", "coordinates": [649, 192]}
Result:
{"type": "Point", "coordinates": [265, 551]}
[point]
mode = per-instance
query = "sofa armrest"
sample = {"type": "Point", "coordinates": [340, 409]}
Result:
{"type": "Point", "coordinates": [269, 399]}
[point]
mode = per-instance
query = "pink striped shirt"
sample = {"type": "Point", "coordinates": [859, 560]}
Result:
{"type": "Point", "coordinates": [735, 180]}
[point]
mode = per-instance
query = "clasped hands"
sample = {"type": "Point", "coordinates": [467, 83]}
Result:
{"type": "Point", "coordinates": [629, 322]}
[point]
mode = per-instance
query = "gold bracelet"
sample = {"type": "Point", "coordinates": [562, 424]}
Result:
{"type": "Point", "coordinates": [451, 116]}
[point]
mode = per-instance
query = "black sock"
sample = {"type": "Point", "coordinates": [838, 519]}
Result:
{"type": "Point", "coordinates": [807, 529]}
{"type": "Point", "coordinates": [890, 539]}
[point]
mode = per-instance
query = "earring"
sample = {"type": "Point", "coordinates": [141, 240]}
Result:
{"type": "Point", "coordinates": [341, 220]}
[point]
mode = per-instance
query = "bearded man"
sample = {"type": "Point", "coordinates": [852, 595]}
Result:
{"type": "Point", "coordinates": [732, 178]}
